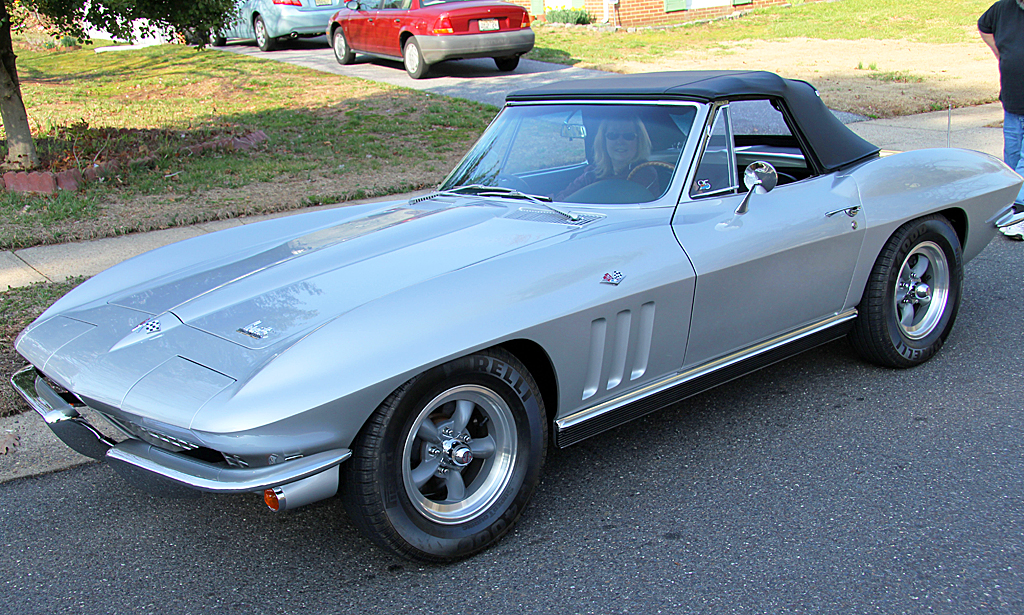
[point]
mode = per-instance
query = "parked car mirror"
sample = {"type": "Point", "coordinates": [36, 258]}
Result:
{"type": "Point", "coordinates": [760, 177]}
{"type": "Point", "coordinates": [352, 5]}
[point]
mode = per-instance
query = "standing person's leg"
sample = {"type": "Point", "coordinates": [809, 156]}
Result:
{"type": "Point", "coordinates": [1013, 155]}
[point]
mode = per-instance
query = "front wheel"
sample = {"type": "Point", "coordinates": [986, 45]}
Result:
{"type": "Point", "coordinates": [263, 39]}
{"type": "Point", "coordinates": [448, 462]}
{"type": "Point", "coordinates": [414, 63]}
{"type": "Point", "coordinates": [508, 64]}
{"type": "Point", "coordinates": [342, 52]}
{"type": "Point", "coordinates": [912, 295]}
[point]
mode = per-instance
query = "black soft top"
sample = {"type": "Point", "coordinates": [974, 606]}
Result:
{"type": "Point", "coordinates": [833, 144]}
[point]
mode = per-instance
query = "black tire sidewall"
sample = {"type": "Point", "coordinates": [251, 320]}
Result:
{"type": "Point", "coordinates": [939, 232]}
{"type": "Point", "coordinates": [434, 540]}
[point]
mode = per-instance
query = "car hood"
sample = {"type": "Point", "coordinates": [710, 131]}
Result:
{"type": "Point", "coordinates": [265, 298]}
{"type": "Point", "coordinates": [259, 299]}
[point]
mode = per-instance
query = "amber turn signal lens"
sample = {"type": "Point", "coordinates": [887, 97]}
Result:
{"type": "Point", "coordinates": [271, 499]}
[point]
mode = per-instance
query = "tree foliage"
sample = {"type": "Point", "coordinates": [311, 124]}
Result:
{"type": "Point", "coordinates": [118, 16]}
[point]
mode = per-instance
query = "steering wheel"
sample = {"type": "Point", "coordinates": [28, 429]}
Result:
{"type": "Point", "coordinates": [650, 163]}
{"type": "Point", "coordinates": [785, 176]}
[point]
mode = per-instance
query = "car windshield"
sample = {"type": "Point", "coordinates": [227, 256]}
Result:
{"type": "Point", "coordinates": [580, 153]}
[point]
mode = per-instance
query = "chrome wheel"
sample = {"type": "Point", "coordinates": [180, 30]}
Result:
{"type": "Point", "coordinates": [922, 290]}
{"type": "Point", "coordinates": [342, 53]}
{"type": "Point", "coordinates": [263, 39]}
{"type": "Point", "coordinates": [460, 454]}
{"type": "Point", "coordinates": [449, 460]}
{"type": "Point", "coordinates": [412, 58]}
{"type": "Point", "coordinates": [912, 295]}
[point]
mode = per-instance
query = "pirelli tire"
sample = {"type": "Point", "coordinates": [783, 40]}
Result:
{"type": "Point", "coordinates": [448, 462]}
{"type": "Point", "coordinates": [912, 296]}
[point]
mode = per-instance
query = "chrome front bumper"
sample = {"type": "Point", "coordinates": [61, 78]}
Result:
{"type": "Point", "coordinates": [152, 468]}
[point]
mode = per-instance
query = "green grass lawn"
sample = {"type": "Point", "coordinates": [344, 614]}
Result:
{"type": "Point", "coordinates": [922, 21]}
{"type": "Point", "coordinates": [358, 137]}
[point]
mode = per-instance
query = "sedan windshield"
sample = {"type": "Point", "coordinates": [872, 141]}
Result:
{"type": "Point", "coordinates": [580, 153]}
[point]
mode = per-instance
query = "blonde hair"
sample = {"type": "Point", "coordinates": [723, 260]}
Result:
{"type": "Point", "coordinates": [601, 158]}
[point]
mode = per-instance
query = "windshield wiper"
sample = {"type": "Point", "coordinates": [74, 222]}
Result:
{"type": "Point", "coordinates": [497, 191]}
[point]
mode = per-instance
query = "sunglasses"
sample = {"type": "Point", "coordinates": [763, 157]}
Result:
{"type": "Point", "coordinates": [615, 136]}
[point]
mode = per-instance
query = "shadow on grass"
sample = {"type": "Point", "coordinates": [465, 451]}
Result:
{"type": "Point", "coordinates": [555, 56]}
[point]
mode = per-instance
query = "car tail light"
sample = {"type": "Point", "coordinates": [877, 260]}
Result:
{"type": "Point", "coordinates": [526, 21]}
{"type": "Point", "coordinates": [289, 2]}
{"type": "Point", "coordinates": [443, 26]}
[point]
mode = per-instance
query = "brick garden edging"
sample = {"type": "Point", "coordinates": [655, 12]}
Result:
{"type": "Point", "coordinates": [47, 182]}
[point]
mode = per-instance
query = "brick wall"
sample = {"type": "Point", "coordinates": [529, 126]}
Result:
{"type": "Point", "coordinates": [635, 13]}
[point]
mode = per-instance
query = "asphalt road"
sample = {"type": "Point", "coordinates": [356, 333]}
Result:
{"type": "Point", "coordinates": [819, 485]}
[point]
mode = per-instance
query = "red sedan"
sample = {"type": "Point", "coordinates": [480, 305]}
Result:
{"type": "Point", "coordinates": [425, 32]}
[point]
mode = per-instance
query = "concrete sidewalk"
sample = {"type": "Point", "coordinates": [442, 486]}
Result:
{"type": "Point", "coordinates": [39, 451]}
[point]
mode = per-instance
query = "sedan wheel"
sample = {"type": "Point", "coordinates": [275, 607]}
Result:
{"type": "Point", "coordinates": [342, 52]}
{"type": "Point", "coordinates": [265, 42]}
{"type": "Point", "coordinates": [912, 296]}
{"type": "Point", "coordinates": [448, 462]}
{"type": "Point", "coordinates": [414, 64]}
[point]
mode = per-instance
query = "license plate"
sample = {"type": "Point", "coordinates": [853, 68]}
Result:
{"type": "Point", "coordinates": [487, 25]}
{"type": "Point", "coordinates": [324, 2]}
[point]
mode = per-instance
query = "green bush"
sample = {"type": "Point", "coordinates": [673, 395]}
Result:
{"type": "Point", "coordinates": [573, 16]}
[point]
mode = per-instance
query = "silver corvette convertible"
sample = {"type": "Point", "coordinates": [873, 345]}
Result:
{"type": "Point", "coordinates": [609, 246]}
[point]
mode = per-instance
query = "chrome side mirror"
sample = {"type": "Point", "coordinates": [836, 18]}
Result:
{"type": "Point", "coordinates": [352, 5]}
{"type": "Point", "coordinates": [759, 177]}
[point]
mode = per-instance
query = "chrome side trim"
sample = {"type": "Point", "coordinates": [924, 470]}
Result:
{"type": "Point", "coordinates": [588, 414]}
{"type": "Point", "coordinates": [217, 479]}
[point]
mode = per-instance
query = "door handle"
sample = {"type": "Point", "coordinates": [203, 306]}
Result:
{"type": "Point", "coordinates": [849, 211]}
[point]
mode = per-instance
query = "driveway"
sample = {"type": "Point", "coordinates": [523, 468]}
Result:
{"type": "Point", "coordinates": [477, 79]}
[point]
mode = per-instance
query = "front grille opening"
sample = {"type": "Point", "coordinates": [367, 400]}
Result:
{"type": "Point", "coordinates": [69, 398]}
{"type": "Point", "coordinates": [205, 454]}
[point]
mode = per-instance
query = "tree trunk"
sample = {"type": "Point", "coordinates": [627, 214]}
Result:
{"type": "Point", "coordinates": [21, 149]}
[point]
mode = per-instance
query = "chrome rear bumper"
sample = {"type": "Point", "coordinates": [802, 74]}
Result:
{"type": "Point", "coordinates": [154, 469]}
{"type": "Point", "coordinates": [1008, 216]}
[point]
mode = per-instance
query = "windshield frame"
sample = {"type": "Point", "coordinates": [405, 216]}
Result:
{"type": "Point", "coordinates": [672, 195]}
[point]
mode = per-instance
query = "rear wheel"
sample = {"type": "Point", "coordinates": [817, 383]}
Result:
{"type": "Point", "coordinates": [448, 462]}
{"type": "Point", "coordinates": [342, 52]}
{"type": "Point", "coordinates": [507, 64]}
{"type": "Point", "coordinates": [414, 64]}
{"type": "Point", "coordinates": [912, 295]}
{"type": "Point", "coordinates": [263, 39]}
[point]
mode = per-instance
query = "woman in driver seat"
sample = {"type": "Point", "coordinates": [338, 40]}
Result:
{"type": "Point", "coordinates": [620, 146]}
